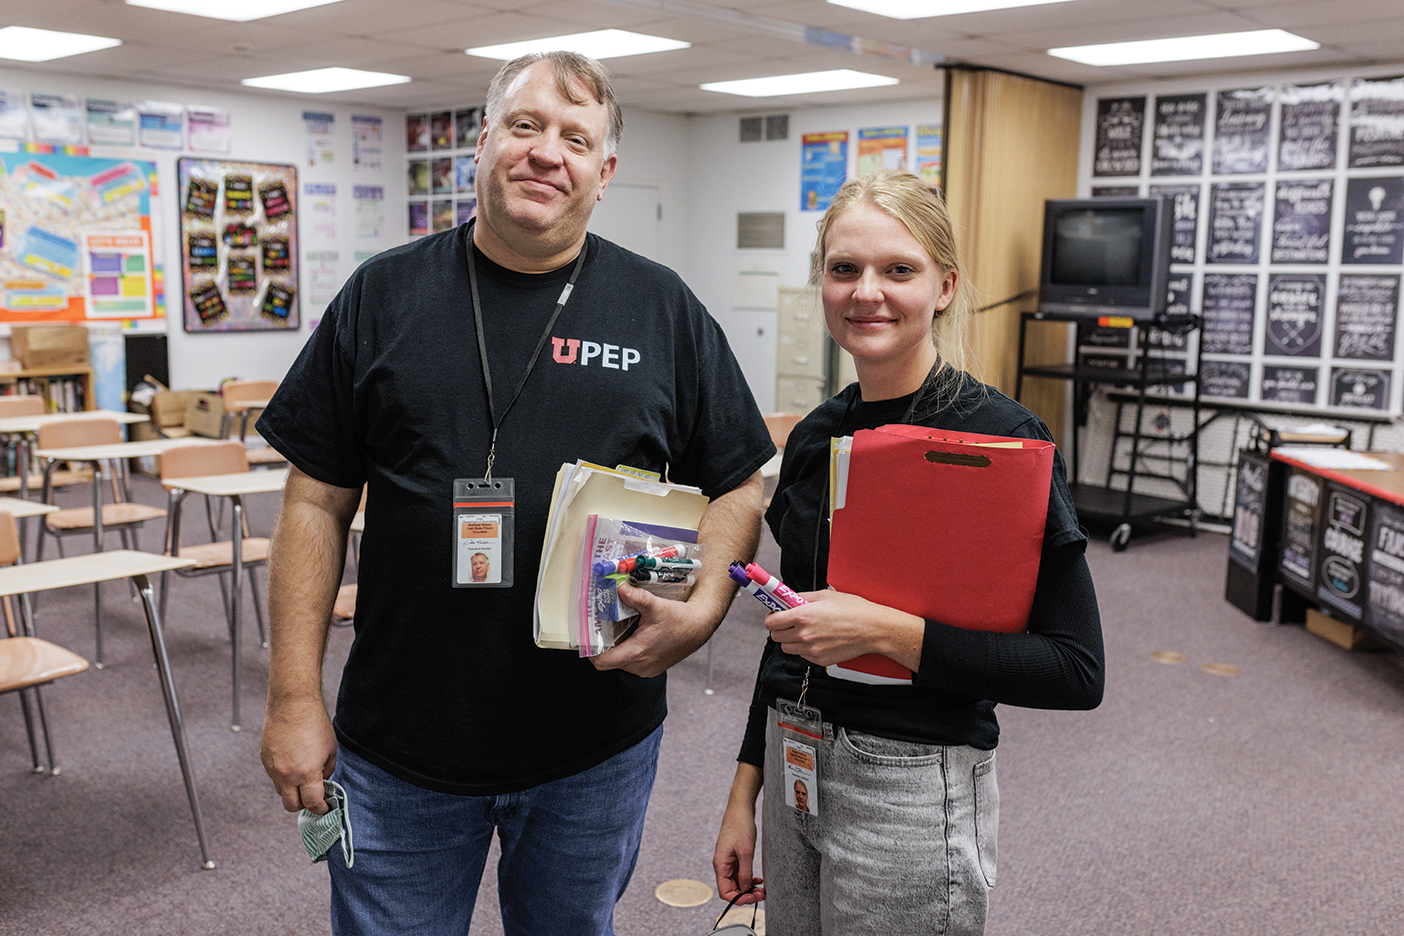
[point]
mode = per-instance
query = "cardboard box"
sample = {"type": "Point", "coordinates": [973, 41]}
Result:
{"type": "Point", "coordinates": [204, 413]}
{"type": "Point", "coordinates": [49, 346]}
{"type": "Point", "coordinates": [168, 409]}
{"type": "Point", "coordinates": [1343, 635]}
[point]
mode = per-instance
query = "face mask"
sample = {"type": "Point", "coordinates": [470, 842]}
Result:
{"type": "Point", "coordinates": [320, 833]}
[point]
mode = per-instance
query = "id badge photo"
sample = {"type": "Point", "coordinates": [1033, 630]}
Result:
{"type": "Point", "coordinates": [484, 511]}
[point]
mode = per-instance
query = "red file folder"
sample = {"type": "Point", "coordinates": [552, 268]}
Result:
{"type": "Point", "coordinates": [945, 525]}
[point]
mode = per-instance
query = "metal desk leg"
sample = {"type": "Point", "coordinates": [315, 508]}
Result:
{"type": "Point", "coordinates": [168, 691]}
{"type": "Point", "coordinates": [97, 548]}
{"type": "Point", "coordinates": [22, 466]}
{"type": "Point", "coordinates": [236, 603]}
{"type": "Point", "coordinates": [711, 651]}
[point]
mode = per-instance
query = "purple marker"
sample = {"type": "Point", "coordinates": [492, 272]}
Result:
{"type": "Point", "coordinates": [774, 586]}
{"type": "Point", "coordinates": [752, 587]}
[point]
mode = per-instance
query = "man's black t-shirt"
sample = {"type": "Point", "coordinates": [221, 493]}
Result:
{"type": "Point", "coordinates": [444, 686]}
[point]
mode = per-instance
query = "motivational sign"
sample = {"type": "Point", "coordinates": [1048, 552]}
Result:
{"type": "Point", "coordinates": [1177, 147]}
{"type": "Point", "coordinates": [1294, 314]}
{"type": "Point", "coordinates": [1367, 309]}
{"type": "Point", "coordinates": [1185, 201]}
{"type": "Point", "coordinates": [1120, 125]}
{"type": "Point", "coordinates": [1235, 222]}
{"type": "Point", "coordinates": [1227, 380]}
{"type": "Point", "coordinates": [1298, 560]}
{"type": "Point", "coordinates": [1229, 300]}
{"type": "Point", "coordinates": [1241, 123]}
{"type": "Point", "coordinates": [1310, 115]}
{"type": "Point", "coordinates": [1341, 582]}
{"type": "Point", "coordinates": [1377, 123]}
{"type": "Point", "coordinates": [1384, 595]}
{"type": "Point", "coordinates": [1359, 389]}
{"type": "Point", "coordinates": [1374, 221]}
{"type": "Point", "coordinates": [1301, 226]}
{"type": "Point", "coordinates": [1295, 385]}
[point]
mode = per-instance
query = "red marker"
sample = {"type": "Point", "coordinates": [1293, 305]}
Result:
{"type": "Point", "coordinates": [770, 583]}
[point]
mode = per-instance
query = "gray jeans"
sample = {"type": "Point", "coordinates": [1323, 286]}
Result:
{"type": "Point", "coordinates": [904, 842]}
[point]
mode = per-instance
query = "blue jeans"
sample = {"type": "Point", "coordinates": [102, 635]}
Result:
{"type": "Point", "coordinates": [568, 850]}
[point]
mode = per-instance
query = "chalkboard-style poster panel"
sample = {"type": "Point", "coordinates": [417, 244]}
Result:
{"type": "Point", "coordinates": [1310, 117]}
{"type": "Point", "coordinates": [1367, 309]}
{"type": "Point", "coordinates": [1235, 222]}
{"type": "Point", "coordinates": [1181, 288]}
{"type": "Point", "coordinates": [1229, 300]}
{"type": "Point", "coordinates": [1300, 519]}
{"type": "Point", "coordinates": [1374, 221]}
{"type": "Point", "coordinates": [1291, 385]}
{"type": "Point", "coordinates": [1185, 199]}
{"type": "Point", "coordinates": [1227, 380]}
{"type": "Point", "coordinates": [1295, 314]}
{"type": "Point", "coordinates": [1120, 126]}
{"type": "Point", "coordinates": [1301, 227]}
{"type": "Point", "coordinates": [1241, 125]}
{"type": "Point", "coordinates": [1115, 191]}
{"type": "Point", "coordinates": [1344, 559]}
{"type": "Point", "coordinates": [1360, 388]}
{"type": "Point", "coordinates": [1384, 595]}
{"type": "Point", "coordinates": [1177, 147]}
{"type": "Point", "coordinates": [1377, 123]}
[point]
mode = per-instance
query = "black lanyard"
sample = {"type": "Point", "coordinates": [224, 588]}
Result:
{"type": "Point", "coordinates": [493, 418]}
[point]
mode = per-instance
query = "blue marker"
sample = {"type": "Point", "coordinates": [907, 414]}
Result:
{"type": "Point", "coordinates": [753, 588]}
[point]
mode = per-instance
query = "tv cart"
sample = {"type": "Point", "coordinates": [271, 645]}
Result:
{"type": "Point", "coordinates": [1103, 502]}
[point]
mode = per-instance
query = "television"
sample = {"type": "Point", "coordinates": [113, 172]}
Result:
{"type": "Point", "coordinates": [1106, 257]}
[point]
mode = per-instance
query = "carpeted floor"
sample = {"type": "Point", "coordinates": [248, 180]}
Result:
{"type": "Point", "coordinates": [1189, 803]}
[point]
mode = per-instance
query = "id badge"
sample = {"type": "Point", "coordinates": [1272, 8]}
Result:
{"type": "Point", "coordinates": [801, 729]}
{"type": "Point", "coordinates": [483, 521]}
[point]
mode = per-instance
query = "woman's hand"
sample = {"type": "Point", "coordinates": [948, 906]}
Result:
{"type": "Point", "coordinates": [734, 859]}
{"type": "Point", "coordinates": [836, 626]}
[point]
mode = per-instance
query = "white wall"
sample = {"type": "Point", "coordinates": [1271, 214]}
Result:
{"type": "Point", "coordinates": [265, 129]}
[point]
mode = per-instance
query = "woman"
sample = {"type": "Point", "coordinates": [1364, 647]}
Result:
{"type": "Point", "coordinates": [897, 830]}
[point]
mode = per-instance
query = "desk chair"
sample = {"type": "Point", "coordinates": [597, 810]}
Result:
{"type": "Point", "coordinates": [26, 662]}
{"type": "Point", "coordinates": [216, 556]}
{"type": "Point", "coordinates": [32, 405]}
{"type": "Point", "coordinates": [238, 394]}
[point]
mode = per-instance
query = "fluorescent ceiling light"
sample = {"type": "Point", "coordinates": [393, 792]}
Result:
{"type": "Point", "coordinates": [240, 11]}
{"type": "Point", "coordinates": [809, 83]}
{"type": "Point", "coordinates": [920, 9]}
{"type": "Point", "coordinates": [1186, 48]}
{"type": "Point", "coordinates": [24, 44]}
{"type": "Point", "coordinates": [600, 44]}
{"type": "Point", "coordinates": [322, 80]}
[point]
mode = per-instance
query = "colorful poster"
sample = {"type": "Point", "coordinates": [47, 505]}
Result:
{"type": "Point", "coordinates": [1377, 123]}
{"type": "Point", "coordinates": [160, 125]}
{"type": "Point", "coordinates": [1235, 222]}
{"type": "Point", "coordinates": [823, 168]}
{"type": "Point", "coordinates": [465, 174]}
{"type": "Point", "coordinates": [881, 148]}
{"type": "Point", "coordinates": [322, 279]}
{"type": "Point", "coordinates": [321, 208]}
{"type": "Point", "coordinates": [57, 118]}
{"type": "Point", "coordinates": [1177, 145]}
{"type": "Point", "coordinates": [417, 133]}
{"type": "Point", "coordinates": [367, 149]}
{"type": "Point", "coordinates": [1296, 312]}
{"type": "Point", "coordinates": [1229, 303]}
{"type": "Point", "coordinates": [111, 123]}
{"type": "Point", "coordinates": [239, 245]}
{"type": "Point", "coordinates": [441, 215]}
{"type": "Point", "coordinates": [370, 211]}
{"type": "Point", "coordinates": [467, 125]}
{"type": "Point", "coordinates": [1301, 227]}
{"type": "Point", "coordinates": [1185, 233]}
{"type": "Point", "coordinates": [1374, 220]}
{"type": "Point", "coordinates": [929, 150]}
{"type": "Point", "coordinates": [1307, 138]}
{"type": "Point", "coordinates": [441, 130]}
{"type": "Point", "coordinates": [418, 218]}
{"type": "Point", "coordinates": [120, 281]}
{"type": "Point", "coordinates": [210, 130]}
{"type": "Point", "coordinates": [321, 137]}
{"type": "Point", "coordinates": [1295, 386]}
{"type": "Point", "coordinates": [1367, 313]}
{"type": "Point", "coordinates": [1360, 389]}
{"type": "Point", "coordinates": [418, 180]}
{"type": "Point", "coordinates": [1241, 124]}
{"type": "Point", "coordinates": [441, 176]}
{"type": "Point", "coordinates": [464, 209]}
{"type": "Point", "coordinates": [1120, 126]}
{"type": "Point", "coordinates": [14, 116]}
{"type": "Point", "coordinates": [49, 204]}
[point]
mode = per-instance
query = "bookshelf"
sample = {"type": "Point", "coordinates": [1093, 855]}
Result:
{"type": "Point", "coordinates": [66, 389]}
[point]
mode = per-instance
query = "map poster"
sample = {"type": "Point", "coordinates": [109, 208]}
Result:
{"type": "Point", "coordinates": [1307, 137]}
{"type": "Point", "coordinates": [1185, 199]}
{"type": "Point", "coordinates": [1177, 146]}
{"type": "Point", "coordinates": [1377, 123]}
{"type": "Point", "coordinates": [1301, 227]}
{"type": "Point", "coordinates": [1291, 385]}
{"type": "Point", "coordinates": [239, 245]}
{"type": "Point", "coordinates": [1229, 301]}
{"type": "Point", "coordinates": [1120, 126]}
{"type": "Point", "coordinates": [1241, 124]}
{"type": "Point", "coordinates": [1296, 309]}
{"type": "Point", "coordinates": [1227, 380]}
{"type": "Point", "coordinates": [51, 206]}
{"type": "Point", "coordinates": [1367, 308]}
{"type": "Point", "coordinates": [1360, 389]}
{"type": "Point", "coordinates": [1374, 221]}
{"type": "Point", "coordinates": [1235, 222]}
{"type": "Point", "coordinates": [823, 168]}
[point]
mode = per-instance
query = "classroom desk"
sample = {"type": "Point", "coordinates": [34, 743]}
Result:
{"type": "Point", "coordinates": [104, 567]}
{"type": "Point", "coordinates": [20, 509]}
{"type": "Point", "coordinates": [233, 486]}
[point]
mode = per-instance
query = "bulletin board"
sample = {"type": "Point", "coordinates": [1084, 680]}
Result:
{"type": "Point", "coordinates": [238, 245]}
{"type": "Point", "coordinates": [75, 238]}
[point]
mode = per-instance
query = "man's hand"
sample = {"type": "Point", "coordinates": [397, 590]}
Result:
{"type": "Point", "coordinates": [668, 631]}
{"type": "Point", "coordinates": [299, 752]}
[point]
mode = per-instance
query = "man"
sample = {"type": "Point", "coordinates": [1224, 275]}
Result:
{"type": "Point", "coordinates": [450, 723]}
{"type": "Point", "coordinates": [479, 564]}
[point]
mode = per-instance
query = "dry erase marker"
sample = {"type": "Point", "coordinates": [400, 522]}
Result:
{"type": "Point", "coordinates": [774, 586]}
{"type": "Point", "coordinates": [751, 587]}
{"type": "Point", "coordinates": [667, 562]}
{"type": "Point", "coordinates": [662, 577]}
{"type": "Point", "coordinates": [629, 563]}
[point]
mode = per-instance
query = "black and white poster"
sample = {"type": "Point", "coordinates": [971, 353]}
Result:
{"type": "Point", "coordinates": [1229, 300]}
{"type": "Point", "coordinates": [1367, 309]}
{"type": "Point", "coordinates": [1241, 125]}
{"type": "Point", "coordinates": [1297, 563]}
{"type": "Point", "coordinates": [1296, 309]}
{"type": "Point", "coordinates": [1359, 388]}
{"type": "Point", "coordinates": [1235, 222]}
{"type": "Point", "coordinates": [1294, 385]}
{"type": "Point", "coordinates": [1115, 191]}
{"type": "Point", "coordinates": [1227, 380]}
{"type": "Point", "coordinates": [1301, 226]}
{"type": "Point", "coordinates": [1374, 221]}
{"type": "Point", "coordinates": [1180, 287]}
{"type": "Point", "coordinates": [1185, 199]}
{"type": "Point", "coordinates": [1384, 594]}
{"type": "Point", "coordinates": [1344, 558]}
{"type": "Point", "coordinates": [1377, 123]}
{"type": "Point", "coordinates": [1310, 117]}
{"type": "Point", "coordinates": [1120, 126]}
{"type": "Point", "coordinates": [1177, 146]}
